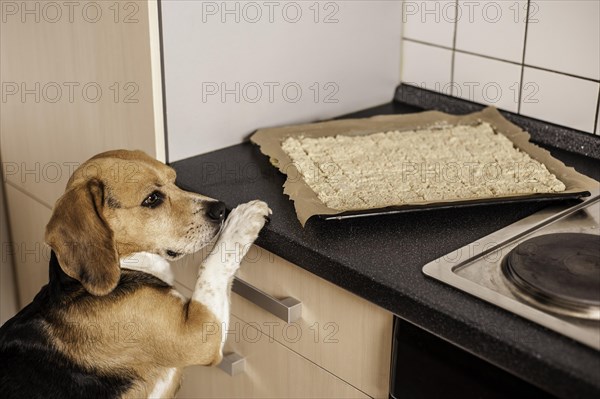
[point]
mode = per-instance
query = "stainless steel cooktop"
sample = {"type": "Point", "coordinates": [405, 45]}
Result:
{"type": "Point", "coordinates": [477, 269]}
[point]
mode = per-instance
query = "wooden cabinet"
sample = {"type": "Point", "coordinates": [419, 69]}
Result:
{"type": "Point", "coordinates": [8, 288]}
{"type": "Point", "coordinates": [271, 371]}
{"type": "Point", "coordinates": [77, 79]}
{"type": "Point", "coordinates": [29, 253]}
{"type": "Point", "coordinates": [340, 333]}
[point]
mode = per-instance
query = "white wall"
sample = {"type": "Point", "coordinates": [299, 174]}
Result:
{"type": "Point", "coordinates": [537, 58]}
{"type": "Point", "coordinates": [232, 67]}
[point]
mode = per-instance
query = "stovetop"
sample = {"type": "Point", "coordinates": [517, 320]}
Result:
{"type": "Point", "coordinates": [477, 268]}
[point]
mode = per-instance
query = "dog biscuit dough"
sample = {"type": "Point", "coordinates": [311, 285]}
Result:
{"type": "Point", "coordinates": [419, 166]}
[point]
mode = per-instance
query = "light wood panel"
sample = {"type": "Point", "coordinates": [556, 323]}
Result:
{"type": "Point", "coordinates": [78, 78]}
{"type": "Point", "coordinates": [339, 331]}
{"type": "Point", "coordinates": [272, 371]}
{"type": "Point", "coordinates": [28, 219]}
{"type": "Point", "coordinates": [8, 289]}
{"type": "Point", "coordinates": [72, 86]}
{"type": "Point", "coordinates": [185, 269]}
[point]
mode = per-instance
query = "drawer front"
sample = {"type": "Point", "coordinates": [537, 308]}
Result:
{"type": "Point", "coordinates": [339, 331]}
{"type": "Point", "coordinates": [271, 371]}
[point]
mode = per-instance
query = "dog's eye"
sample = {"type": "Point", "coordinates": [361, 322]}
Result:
{"type": "Point", "coordinates": [153, 200]}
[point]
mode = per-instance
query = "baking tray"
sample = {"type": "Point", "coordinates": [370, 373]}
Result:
{"type": "Point", "coordinates": [307, 204]}
{"type": "Point", "coordinates": [390, 210]}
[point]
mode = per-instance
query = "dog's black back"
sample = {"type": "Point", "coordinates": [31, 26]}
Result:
{"type": "Point", "coordinates": [30, 366]}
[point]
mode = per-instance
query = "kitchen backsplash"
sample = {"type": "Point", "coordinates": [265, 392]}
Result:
{"type": "Point", "coordinates": [536, 58]}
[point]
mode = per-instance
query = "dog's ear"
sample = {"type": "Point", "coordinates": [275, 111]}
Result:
{"type": "Point", "coordinates": [82, 240]}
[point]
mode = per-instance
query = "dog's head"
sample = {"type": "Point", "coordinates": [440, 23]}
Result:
{"type": "Point", "coordinates": [122, 202]}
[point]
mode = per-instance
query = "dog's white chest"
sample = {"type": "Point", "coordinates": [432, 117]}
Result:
{"type": "Point", "coordinates": [149, 263]}
{"type": "Point", "coordinates": [164, 385]}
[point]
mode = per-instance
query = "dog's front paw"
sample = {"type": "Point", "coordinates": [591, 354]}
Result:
{"type": "Point", "coordinates": [242, 227]}
{"type": "Point", "coordinates": [245, 222]}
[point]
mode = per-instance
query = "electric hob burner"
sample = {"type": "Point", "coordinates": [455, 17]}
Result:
{"type": "Point", "coordinates": [557, 272]}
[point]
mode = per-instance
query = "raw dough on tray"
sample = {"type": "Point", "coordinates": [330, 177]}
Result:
{"type": "Point", "coordinates": [418, 166]}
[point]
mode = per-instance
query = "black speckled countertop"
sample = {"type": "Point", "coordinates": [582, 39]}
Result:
{"type": "Point", "coordinates": [380, 259]}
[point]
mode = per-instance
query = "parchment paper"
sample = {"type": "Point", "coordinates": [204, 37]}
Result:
{"type": "Point", "coordinates": [307, 203]}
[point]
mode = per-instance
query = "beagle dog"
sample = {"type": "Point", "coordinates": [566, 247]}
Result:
{"type": "Point", "coordinates": [109, 323]}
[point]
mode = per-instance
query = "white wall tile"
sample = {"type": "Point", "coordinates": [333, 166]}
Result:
{"type": "Point", "coordinates": [565, 36]}
{"type": "Point", "coordinates": [492, 28]}
{"type": "Point", "coordinates": [429, 21]}
{"type": "Point", "coordinates": [427, 66]}
{"type": "Point", "coordinates": [559, 99]}
{"type": "Point", "coordinates": [487, 81]}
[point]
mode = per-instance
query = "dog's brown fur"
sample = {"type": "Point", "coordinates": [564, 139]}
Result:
{"type": "Point", "coordinates": [146, 330]}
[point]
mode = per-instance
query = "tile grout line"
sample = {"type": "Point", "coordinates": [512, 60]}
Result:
{"type": "Point", "coordinates": [523, 59]}
{"type": "Point", "coordinates": [434, 97]}
{"type": "Point", "coordinates": [426, 43]}
{"type": "Point", "coordinates": [462, 51]}
{"type": "Point", "coordinates": [453, 49]}
{"type": "Point", "coordinates": [563, 73]}
{"type": "Point", "coordinates": [502, 60]}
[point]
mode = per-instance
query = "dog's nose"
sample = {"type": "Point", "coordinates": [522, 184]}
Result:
{"type": "Point", "coordinates": [216, 211]}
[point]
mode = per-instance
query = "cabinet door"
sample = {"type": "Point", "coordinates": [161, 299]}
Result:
{"type": "Point", "coordinates": [339, 331]}
{"type": "Point", "coordinates": [271, 371]}
{"type": "Point", "coordinates": [344, 334]}
{"type": "Point", "coordinates": [8, 289]}
{"type": "Point", "coordinates": [77, 79]}
{"type": "Point", "coordinates": [28, 220]}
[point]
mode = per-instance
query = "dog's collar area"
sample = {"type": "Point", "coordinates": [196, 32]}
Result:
{"type": "Point", "coordinates": [149, 263]}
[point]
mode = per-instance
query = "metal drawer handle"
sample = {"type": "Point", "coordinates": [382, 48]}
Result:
{"type": "Point", "coordinates": [233, 364]}
{"type": "Point", "coordinates": [287, 309]}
